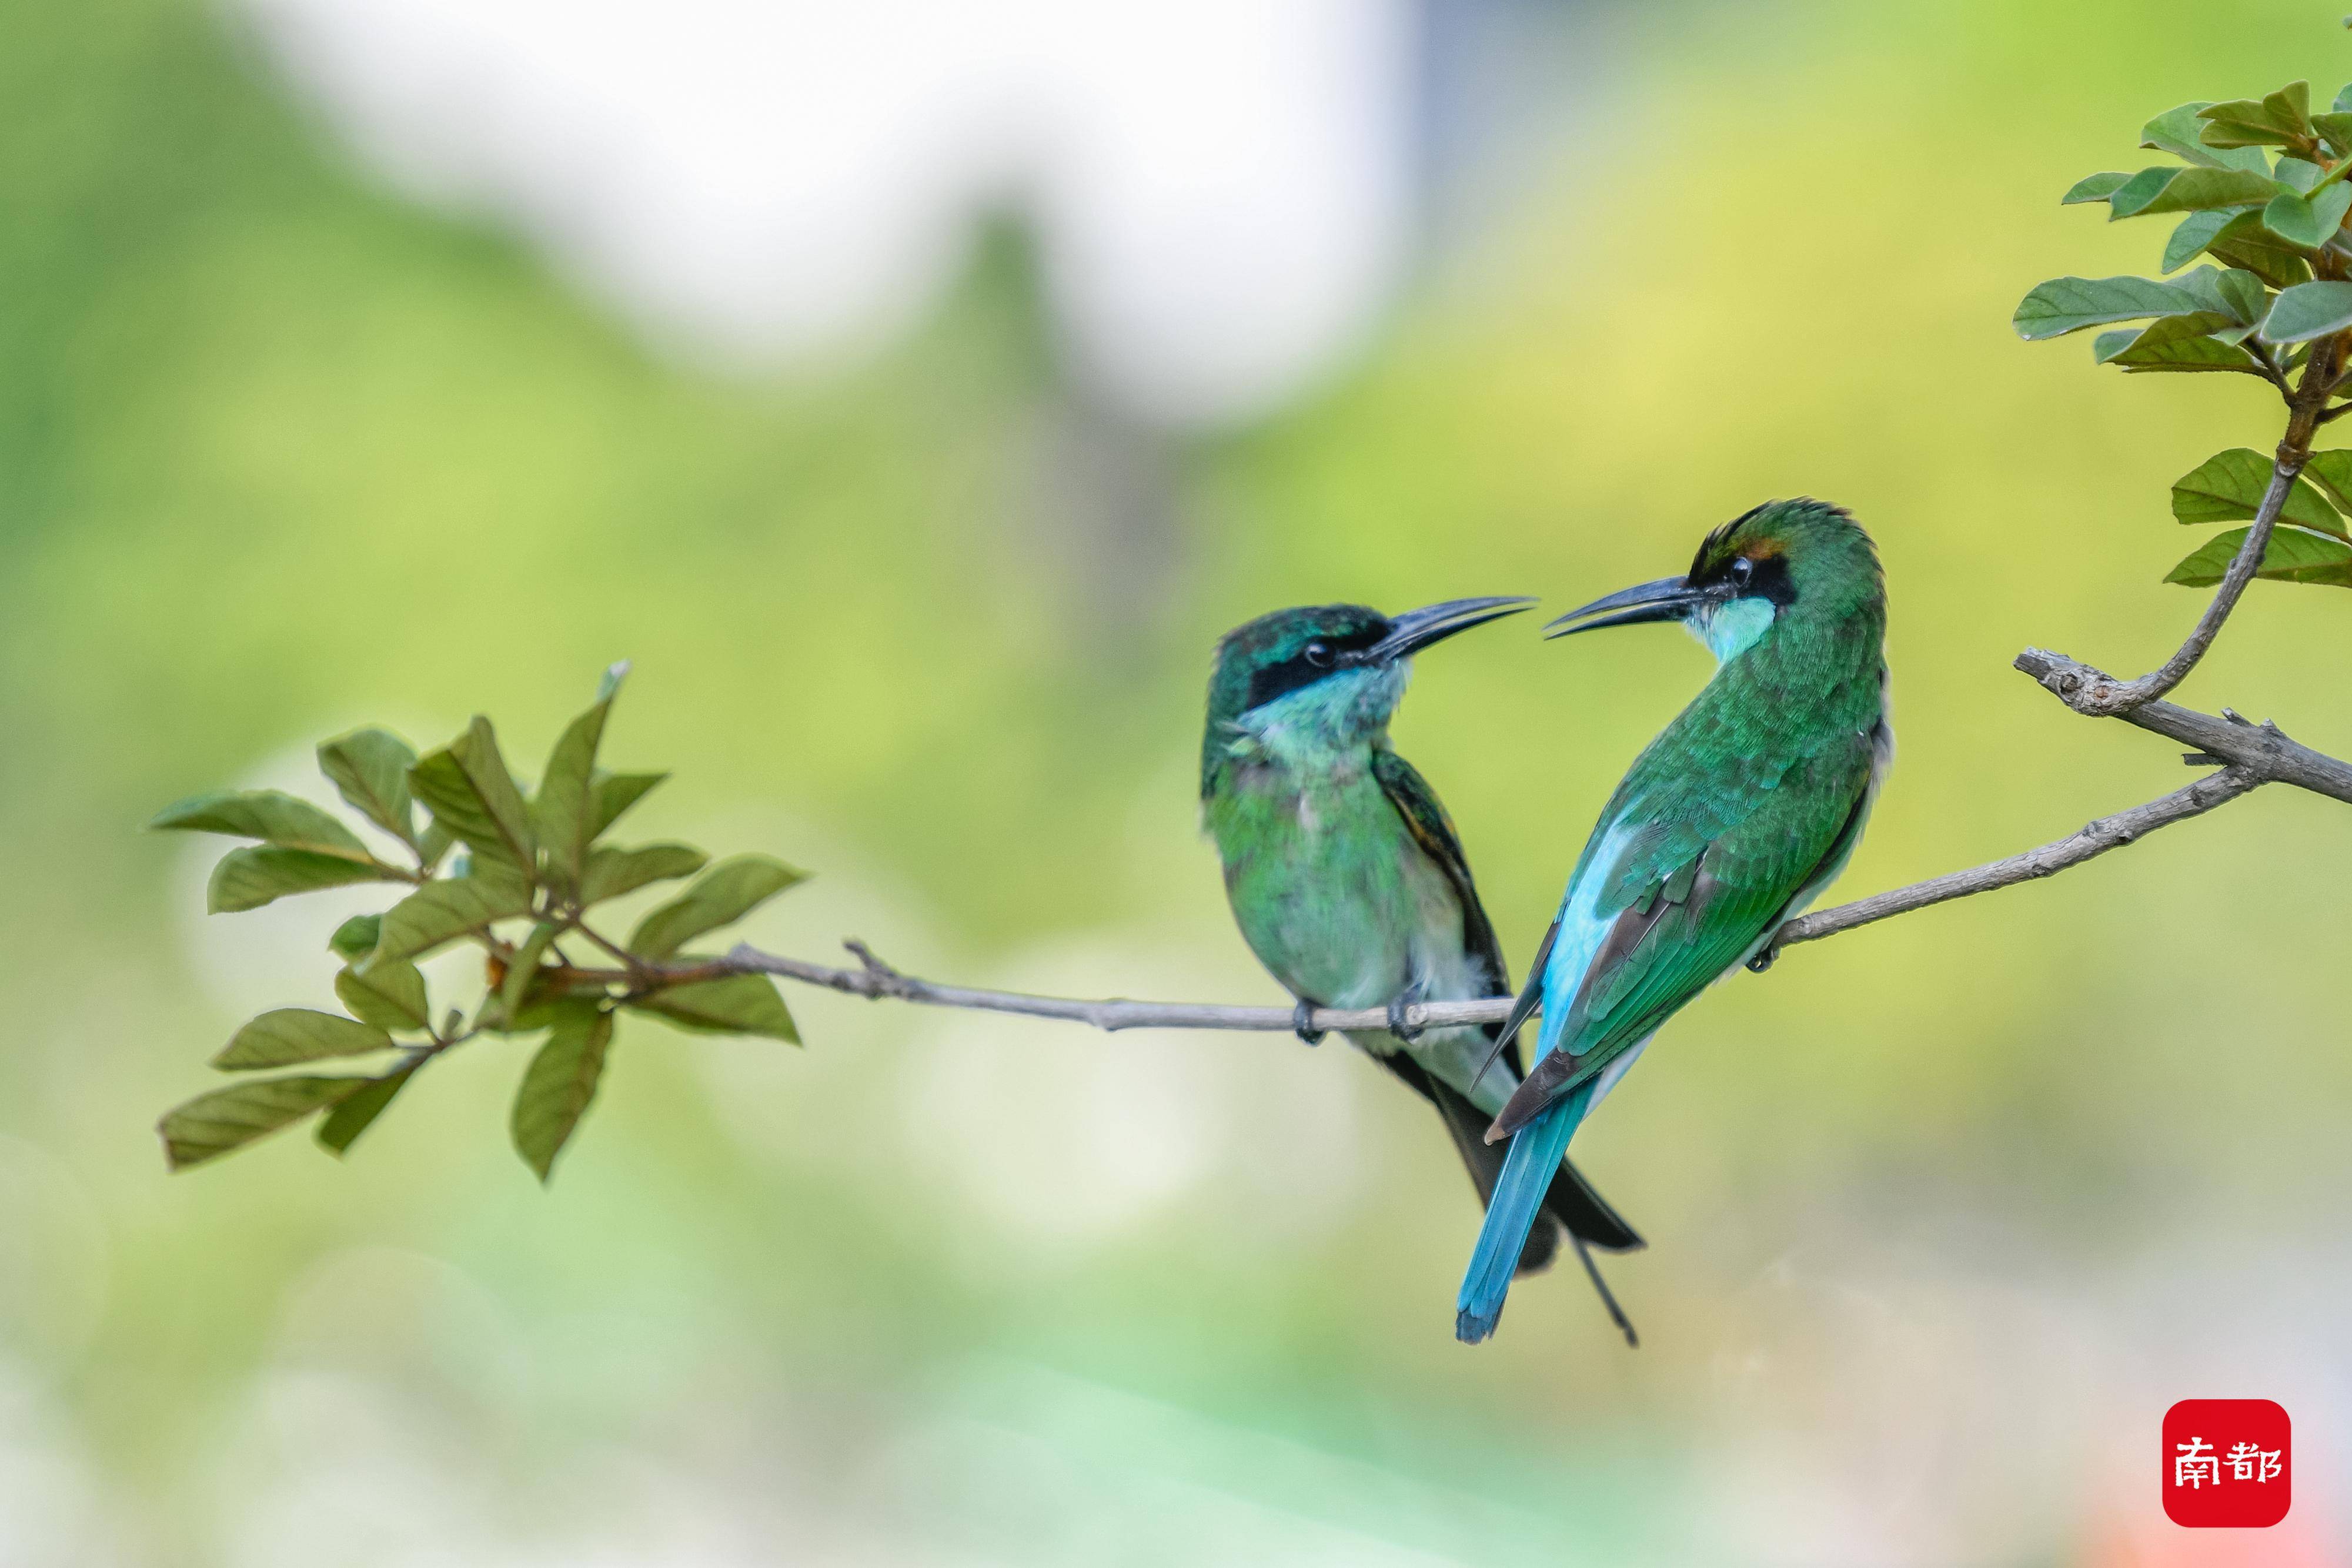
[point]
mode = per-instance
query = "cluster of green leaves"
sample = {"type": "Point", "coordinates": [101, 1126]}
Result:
{"type": "Point", "coordinates": [2262, 186]}
{"type": "Point", "coordinates": [527, 871]}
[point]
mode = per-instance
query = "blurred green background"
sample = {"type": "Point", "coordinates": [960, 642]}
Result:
{"type": "Point", "coordinates": [1943, 1213]}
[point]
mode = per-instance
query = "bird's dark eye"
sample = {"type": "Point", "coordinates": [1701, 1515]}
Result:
{"type": "Point", "coordinates": [1742, 568]}
{"type": "Point", "coordinates": [1319, 653]}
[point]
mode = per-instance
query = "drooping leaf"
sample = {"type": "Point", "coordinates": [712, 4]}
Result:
{"type": "Point", "coordinates": [212, 1125]}
{"type": "Point", "coordinates": [271, 815]}
{"type": "Point", "coordinates": [2280, 120]}
{"type": "Point", "coordinates": [722, 895]}
{"type": "Point", "coordinates": [2331, 472]}
{"type": "Point", "coordinates": [566, 805]}
{"type": "Point", "coordinates": [2229, 484]}
{"type": "Point", "coordinates": [2169, 189]}
{"type": "Point", "coordinates": [2179, 132]}
{"type": "Point", "coordinates": [2307, 222]}
{"type": "Point", "coordinates": [2309, 310]}
{"type": "Point", "coordinates": [250, 877]}
{"type": "Point", "coordinates": [2172, 343]}
{"type": "Point", "coordinates": [387, 995]}
{"type": "Point", "coordinates": [559, 1084]}
{"type": "Point", "coordinates": [2244, 242]}
{"type": "Point", "coordinates": [2336, 129]}
{"type": "Point", "coordinates": [2065, 305]}
{"type": "Point", "coordinates": [441, 912]}
{"type": "Point", "coordinates": [369, 768]}
{"type": "Point", "coordinates": [616, 793]}
{"type": "Point", "coordinates": [468, 788]}
{"type": "Point", "coordinates": [284, 1036]}
{"type": "Point", "coordinates": [736, 1003]}
{"type": "Point", "coordinates": [355, 938]}
{"type": "Point", "coordinates": [2293, 555]}
{"type": "Point", "coordinates": [2093, 188]}
{"type": "Point", "coordinates": [341, 1127]}
{"type": "Point", "coordinates": [612, 871]}
{"type": "Point", "coordinates": [2194, 233]}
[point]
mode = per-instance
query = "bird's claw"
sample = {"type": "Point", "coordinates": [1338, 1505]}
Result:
{"type": "Point", "coordinates": [1302, 1022]}
{"type": "Point", "coordinates": [1397, 1025]}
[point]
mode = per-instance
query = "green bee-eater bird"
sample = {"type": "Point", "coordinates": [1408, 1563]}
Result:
{"type": "Point", "coordinates": [1731, 821]}
{"type": "Point", "coordinates": [1348, 883]}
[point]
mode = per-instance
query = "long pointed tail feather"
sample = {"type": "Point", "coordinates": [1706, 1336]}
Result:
{"type": "Point", "coordinates": [1535, 1153]}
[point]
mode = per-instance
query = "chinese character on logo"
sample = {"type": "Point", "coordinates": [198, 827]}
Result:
{"type": "Point", "coordinates": [2226, 1462]}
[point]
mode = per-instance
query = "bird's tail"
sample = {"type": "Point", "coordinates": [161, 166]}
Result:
{"type": "Point", "coordinates": [1536, 1150]}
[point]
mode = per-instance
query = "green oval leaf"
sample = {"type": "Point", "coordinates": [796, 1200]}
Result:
{"type": "Point", "coordinates": [559, 1084]}
{"type": "Point", "coordinates": [466, 787]}
{"type": "Point", "coordinates": [2093, 188]}
{"type": "Point", "coordinates": [355, 938]}
{"type": "Point", "coordinates": [251, 877]}
{"type": "Point", "coordinates": [2194, 233]}
{"type": "Point", "coordinates": [212, 1125]}
{"type": "Point", "coordinates": [736, 1004]}
{"type": "Point", "coordinates": [2279, 120]}
{"type": "Point", "coordinates": [2243, 242]}
{"type": "Point", "coordinates": [389, 995]}
{"type": "Point", "coordinates": [2178, 130]}
{"type": "Point", "coordinates": [285, 1036]}
{"type": "Point", "coordinates": [2293, 555]}
{"type": "Point", "coordinates": [2163, 190]}
{"type": "Point", "coordinates": [358, 1111]}
{"type": "Point", "coordinates": [2308, 223]}
{"type": "Point", "coordinates": [612, 872]}
{"type": "Point", "coordinates": [566, 805]}
{"type": "Point", "coordinates": [2065, 305]}
{"type": "Point", "coordinates": [271, 815]}
{"type": "Point", "coordinates": [441, 912]}
{"type": "Point", "coordinates": [2174, 343]}
{"type": "Point", "coordinates": [2229, 484]}
{"type": "Point", "coordinates": [719, 897]}
{"type": "Point", "coordinates": [2309, 310]}
{"type": "Point", "coordinates": [369, 768]}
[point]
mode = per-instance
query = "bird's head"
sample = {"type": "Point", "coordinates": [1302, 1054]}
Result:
{"type": "Point", "coordinates": [1324, 676]}
{"type": "Point", "coordinates": [1781, 561]}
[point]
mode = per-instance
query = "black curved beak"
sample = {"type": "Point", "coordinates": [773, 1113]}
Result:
{"type": "Point", "coordinates": [1417, 629]}
{"type": "Point", "coordinates": [1668, 599]}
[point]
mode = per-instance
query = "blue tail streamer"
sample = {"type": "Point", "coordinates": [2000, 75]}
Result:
{"type": "Point", "coordinates": [1535, 1153]}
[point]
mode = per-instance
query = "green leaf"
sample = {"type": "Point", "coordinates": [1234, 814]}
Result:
{"type": "Point", "coordinates": [2244, 243]}
{"type": "Point", "coordinates": [2279, 120]}
{"type": "Point", "coordinates": [2292, 556]}
{"type": "Point", "coordinates": [525, 969]}
{"type": "Point", "coordinates": [2309, 310]}
{"type": "Point", "coordinates": [2235, 293]}
{"type": "Point", "coordinates": [2163, 190]}
{"type": "Point", "coordinates": [722, 895]}
{"type": "Point", "coordinates": [2307, 222]}
{"type": "Point", "coordinates": [271, 815]}
{"type": "Point", "coordinates": [566, 806]}
{"type": "Point", "coordinates": [212, 1125]}
{"type": "Point", "coordinates": [2195, 232]}
{"type": "Point", "coordinates": [432, 843]}
{"type": "Point", "coordinates": [2336, 129]}
{"type": "Point", "coordinates": [343, 1125]}
{"type": "Point", "coordinates": [616, 793]}
{"type": "Point", "coordinates": [736, 1004]}
{"type": "Point", "coordinates": [2093, 188]}
{"type": "Point", "coordinates": [612, 871]}
{"type": "Point", "coordinates": [468, 788]}
{"type": "Point", "coordinates": [2065, 305]}
{"type": "Point", "coordinates": [441, 912]}
{"type": "Point", "coordinates": [355, 938]}
{"type": "Point", "coordinates": [2174, 343]}
{"type": "Point", "coordinates": [251, 877]}
{"type": "Point", "coordinates": [2178, 130]}
{"type": "Point", "coordinates": [2296, 174]}
{"type": "Point", "coordinates": [2229, 484]}
{"type": "Point", "coordinates": [2331, 472]}
{"type": "Point", "coordinates": [559, 1084]}
{"type": "Point", "coordinates": [285, 1036]}
{"type": "Point", "coordinates": [389, 995]}
{"type": "Point", "coordinates": [369, 768]}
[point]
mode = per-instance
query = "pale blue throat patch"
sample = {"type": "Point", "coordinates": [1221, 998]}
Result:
{"type": "Point", "coordinates": [1333, 714]}
{"type": "Point", "coordinates": [1730, 629]}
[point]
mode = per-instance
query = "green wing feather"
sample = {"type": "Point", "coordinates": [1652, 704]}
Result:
{"type": "Point", "coordinates": [1424, 817]}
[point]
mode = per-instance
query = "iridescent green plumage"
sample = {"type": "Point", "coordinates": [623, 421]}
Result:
{"type": "Point", "coordinates": [1344, 871]}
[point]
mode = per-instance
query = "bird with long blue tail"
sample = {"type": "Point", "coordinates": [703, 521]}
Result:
{"type": "Point", "coordinates": [1730, 822]}
{"type": "Point", "coordinates": [1348, 882]}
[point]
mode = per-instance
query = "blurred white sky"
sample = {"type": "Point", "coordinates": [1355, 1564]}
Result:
{"type": "Point", "coordinates": [1220, 189]}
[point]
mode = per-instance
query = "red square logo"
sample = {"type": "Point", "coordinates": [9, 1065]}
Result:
{"type": "Point", "coordinates": [2226, 1462]}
